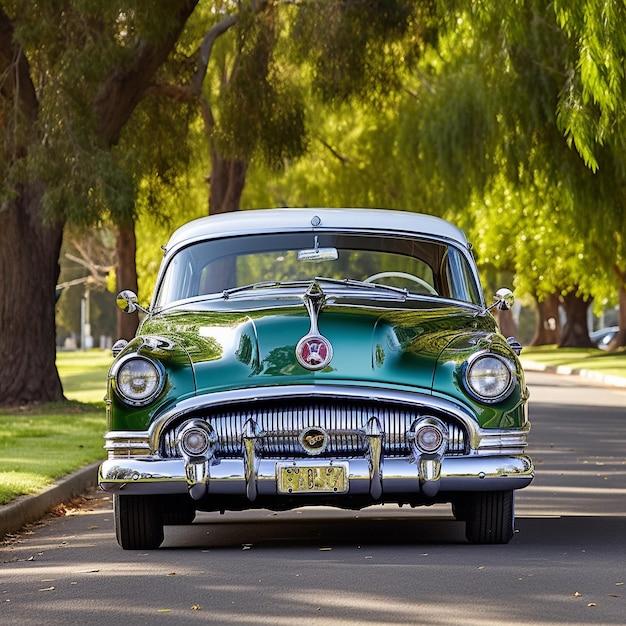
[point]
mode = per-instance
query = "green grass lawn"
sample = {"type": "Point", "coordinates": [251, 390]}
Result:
{"type": "Point", "coordinates": [38, 447]}
{"type": "Point", "coordinates": [611, 363]}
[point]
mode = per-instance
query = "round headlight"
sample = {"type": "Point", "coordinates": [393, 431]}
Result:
{"type": "Point", "coordinates": [489, 377]}
{"type": "Point", "coordinates": [139, 380]}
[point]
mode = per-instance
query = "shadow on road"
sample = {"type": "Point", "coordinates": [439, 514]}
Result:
{"type": "Point", "coordinates": [387, 529]}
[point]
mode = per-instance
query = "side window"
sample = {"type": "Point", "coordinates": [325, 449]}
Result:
{"type": "Point", "coordinates": [177, 282]}
{"type": "Point", "coordinates": [459, 278]}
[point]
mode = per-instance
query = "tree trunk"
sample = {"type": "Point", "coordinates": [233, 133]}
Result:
{"type": "Point", "coordinates": [547, 325]}
{"type": "Point", "coordinates": [29, 254]}
{"type": "Point", "coordinates": [228, 179]}
{"type": "Point", "coordinates": [126, 276]}
{"type": "Point", "coordinates": [576, 330]}
{"type": "Point", "coordinates": [506, 323]}
{"type": "Point", "coordinates": [29, 268]}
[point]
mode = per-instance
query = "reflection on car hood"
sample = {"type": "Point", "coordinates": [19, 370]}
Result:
{"type": "Point", "coordinates": [371, 345]}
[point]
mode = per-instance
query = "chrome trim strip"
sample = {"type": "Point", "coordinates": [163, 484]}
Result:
{"type": "Point", "coordinates": [494, 440]}
{"type": "Point", "coordinates": [124, 443]}
{"type": "Point", "coordinates": [136, 437]}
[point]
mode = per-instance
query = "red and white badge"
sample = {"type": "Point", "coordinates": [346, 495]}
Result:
{"type": "Point", "coordinates": [314, 352]}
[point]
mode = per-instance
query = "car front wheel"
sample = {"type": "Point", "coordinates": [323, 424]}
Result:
{"type": "Point", "coordinates": [138, 522]}
{"type": "Point", "coordinates": [489, 517]}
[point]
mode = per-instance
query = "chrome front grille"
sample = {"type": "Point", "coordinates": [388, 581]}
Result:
{"type": "Point", "coordinates": [279, 425]}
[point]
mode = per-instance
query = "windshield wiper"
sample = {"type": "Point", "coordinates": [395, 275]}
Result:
{"type": "Point", "coordinates": [352, 282]}
{"type": "Point", "coordinates": [349, 282]}
{"type": "Point", "coordinates": [266, 284]}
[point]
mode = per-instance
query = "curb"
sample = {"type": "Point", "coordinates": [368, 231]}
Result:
{"type": "Point", "coordinates": [27, 509]}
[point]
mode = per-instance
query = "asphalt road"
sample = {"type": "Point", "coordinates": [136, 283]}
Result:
{"type": "Point", "coordinates": [385, 565]}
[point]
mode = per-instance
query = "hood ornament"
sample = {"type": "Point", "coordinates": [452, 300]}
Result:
{"type": "Point", "coordinates": [314, 352]}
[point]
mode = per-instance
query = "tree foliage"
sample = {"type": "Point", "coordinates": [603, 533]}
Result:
{"type": "Point", "coordinates": [592, 106]}
{"type": "Point", "coordinates": [522, 136]}
{"type": "Point", "coordinates": [80, 53]}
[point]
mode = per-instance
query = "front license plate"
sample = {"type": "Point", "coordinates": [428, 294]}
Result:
{"type": "Point", "coordinates": [312, 479]}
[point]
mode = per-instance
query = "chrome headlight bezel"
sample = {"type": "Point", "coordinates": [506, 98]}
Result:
{"type": "Point", "coordinates": [153, 375]}
{"type": "Point", "coordinates": [494, 382]}
{"type": "Point", "coordinates": [205, 439]}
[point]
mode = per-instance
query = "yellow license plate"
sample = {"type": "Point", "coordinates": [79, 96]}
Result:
{"type": "Point", "coordinates": [312, 479]}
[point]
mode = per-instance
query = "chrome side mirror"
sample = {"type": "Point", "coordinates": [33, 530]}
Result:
{"type": "Point", "coordinates": [127, 301]}
{"type": "Point", "coordinates": [503, 300]}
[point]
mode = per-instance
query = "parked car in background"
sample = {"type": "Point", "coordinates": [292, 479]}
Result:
{"type": "Point", "coordinates": [602, 338]}
{"type": "Point", "coordinates": [303, 357]}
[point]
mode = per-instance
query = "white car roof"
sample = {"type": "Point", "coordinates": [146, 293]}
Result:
{"type": "Point", "coordinates": [259, 221]}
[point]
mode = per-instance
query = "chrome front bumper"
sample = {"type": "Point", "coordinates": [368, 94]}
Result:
{"type": "Point", "coordinates": [429, 477]}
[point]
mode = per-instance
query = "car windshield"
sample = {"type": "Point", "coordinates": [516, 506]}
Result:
{"type": "Point", "coordinates": [420, 266]}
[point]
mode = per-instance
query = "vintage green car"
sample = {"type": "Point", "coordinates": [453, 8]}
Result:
{"type": "Point", "coordinates": [302, 357]}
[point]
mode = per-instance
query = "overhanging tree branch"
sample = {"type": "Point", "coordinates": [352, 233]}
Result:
{"type": "Point", "coordinates": [206, 47]}
{"type": "Point", "coordinates": [124, 89]}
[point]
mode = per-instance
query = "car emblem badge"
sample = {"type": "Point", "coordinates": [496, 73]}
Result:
{"type": "Point", "coordinates": [314, 440]}
{"type": "Point", "coordinates": [313, 351]}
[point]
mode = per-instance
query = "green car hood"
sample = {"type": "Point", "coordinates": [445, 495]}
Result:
{"type": "Point", "coordinates": [372, 345]}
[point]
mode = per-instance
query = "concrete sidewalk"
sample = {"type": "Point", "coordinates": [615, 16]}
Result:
{"type": "Point", "coordinates": [27, 509]}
